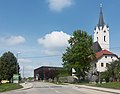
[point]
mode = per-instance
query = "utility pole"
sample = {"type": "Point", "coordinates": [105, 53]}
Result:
{"type": "Point", "coordinates": [23, 72]}
{"type": "Point", "coordinates": [17, 65]}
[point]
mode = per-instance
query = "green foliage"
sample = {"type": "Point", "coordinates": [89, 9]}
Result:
{"type": "Point", "coordinates": [114, 85]}
{"type": "Point", "coordinates": [9, 86]}
{"type": "Point", "coordinates": [105, 75]}
{"type": "Point", "coordinates": [30, 78]}
{"type": "Point", "coordinates": [79, 54]}
{"type": "Point", "coordinates": [113, 71]}
{"type": "Point", "coordinates": [8, 66]}
{"type": "Point", "coordinates": [63, 72]}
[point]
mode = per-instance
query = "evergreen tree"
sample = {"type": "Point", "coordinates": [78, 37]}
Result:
{"type": "Point", "coordinates": [8, 66]}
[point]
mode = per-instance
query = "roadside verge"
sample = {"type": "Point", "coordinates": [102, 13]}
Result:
{"type": "Point", "coordinates": [99, 89]}
{"type": "Point", "coordinates": [26, 86]}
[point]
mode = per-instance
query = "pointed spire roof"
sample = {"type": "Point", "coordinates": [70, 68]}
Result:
{"type": "Point", "coordinates": [101, 19]}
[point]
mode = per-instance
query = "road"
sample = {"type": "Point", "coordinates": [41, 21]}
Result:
{"type": "Point", "coordinates": [48, 88]}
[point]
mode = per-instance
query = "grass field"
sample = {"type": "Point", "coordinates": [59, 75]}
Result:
{"type": "Point", "coordinates": [9, 86]}
{"type": "Point", "coordinates": [114, 85]}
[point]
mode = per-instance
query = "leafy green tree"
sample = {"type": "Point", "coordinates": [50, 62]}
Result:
{"type": "Point", "coordinates": [113, 71]}
{"type": "Point", "coordinates": [79, 54]}
{"type": "Point", "coordinates": [30, 78]}
{"type": "Point", "coordinates": [117, 70]}
{"type": "Point", "coordinates": [63, 72]}
{"type": "Point", "coordinates": [105, 75]}
{"type": "Point", "coordinates": [8, 66]}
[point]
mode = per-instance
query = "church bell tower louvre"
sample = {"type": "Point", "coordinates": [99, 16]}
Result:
{"type": "Point", "coordinates": [101, 32]}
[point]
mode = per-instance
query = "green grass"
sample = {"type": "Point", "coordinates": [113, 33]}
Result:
{"type": "Point", "coordinates": [82, 83]}
{"type": "Point", "coordinates": [9, 86]}
{"type": "Point", "coordinates": [114, 85]}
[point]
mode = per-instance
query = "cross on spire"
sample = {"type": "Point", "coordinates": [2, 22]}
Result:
{"type": "Point", "coordinates": [101, 19]}
{"type": "Point", "coordinates": [101, 5]}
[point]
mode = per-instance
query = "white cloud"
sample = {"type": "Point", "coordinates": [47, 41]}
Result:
{"type": "Point", "coordinates": [24, 60]}
{"type": "Point", "coordinates": [12, 40]}
{"type": "Point", "coordinates": [59, 5]}
{"type": "Point", "coordinates": [54, 42]}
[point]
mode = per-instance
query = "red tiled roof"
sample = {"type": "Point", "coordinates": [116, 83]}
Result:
{"type": "Point", "coordinates": [103, 52]}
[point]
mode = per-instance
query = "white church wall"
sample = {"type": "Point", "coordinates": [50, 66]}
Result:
{"type": "Point", "coordinates": [102, 36]}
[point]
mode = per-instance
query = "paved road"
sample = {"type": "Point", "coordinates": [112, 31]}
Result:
{"type": "Point", "coordinates": [48, 88]}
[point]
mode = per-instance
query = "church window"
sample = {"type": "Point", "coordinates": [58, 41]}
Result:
{"type": "Point", "coordinates": [97, 38]}
{"type": "Point", "coordinates": [101, 64]}
{"type": "Point", "coordinates": [97, 32]}
{"type": "Point", "coordinates": [104, 38]}
{"type": "Point", "coordinates": [107, 64]}
{"type": "Point", "coordinates": [105, 56]}
{"type": "Point", "coordinates": [111, 57]}
{"type": "Point", "coordinates": [104, 31]}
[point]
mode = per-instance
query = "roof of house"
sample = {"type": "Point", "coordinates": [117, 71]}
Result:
{"type": "Point", "coordinates": [104, 52]}
{"type": "Point", "coordinates": [42, 67]}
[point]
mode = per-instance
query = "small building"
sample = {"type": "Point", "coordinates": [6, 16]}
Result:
{"type": "Point", "coordinates": [46, 73]}
{"type": "Point", "coordinates": [104, 58]}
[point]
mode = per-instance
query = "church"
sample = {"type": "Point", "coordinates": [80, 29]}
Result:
{"type": "Point", "coordinates": [102, 45]}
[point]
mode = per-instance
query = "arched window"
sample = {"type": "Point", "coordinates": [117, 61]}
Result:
{"type": "Point", "coordinates": [97, 38]}
{"type": "Point", "coordinates": [104, 38]}
{"type": "Point", "coordinates": [107, 64]}
{"type": "Point", "coordinates": [102, 65]}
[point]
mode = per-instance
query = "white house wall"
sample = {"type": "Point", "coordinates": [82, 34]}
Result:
{"type": "Point", "coordinates": [104, 60]}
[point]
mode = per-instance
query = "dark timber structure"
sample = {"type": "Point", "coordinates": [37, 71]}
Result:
{"type": "Point", "coordinates": [46, 73]}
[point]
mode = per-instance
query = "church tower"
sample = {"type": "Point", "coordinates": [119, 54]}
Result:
{"type": "Point", "coordinates": [101, 32]}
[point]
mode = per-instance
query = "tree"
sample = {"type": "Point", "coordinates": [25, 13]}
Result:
{"type": "Point", "coordinates": [8, 66]}
{"type": "Point", "coordinates": [105, 75]}
{"type": "Point", "coordinates": [113, 71]}
{"type": "Point", "coordinates": [79, 54]}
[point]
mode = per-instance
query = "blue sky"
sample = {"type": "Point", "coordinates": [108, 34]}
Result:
{"type": "Point", "coordinates": [38, 28]}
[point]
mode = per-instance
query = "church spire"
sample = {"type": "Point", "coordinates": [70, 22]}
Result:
{"type": "Point", "coordinates": [101, 19]}
{"type": "Point", "coordinates": [101, 32]}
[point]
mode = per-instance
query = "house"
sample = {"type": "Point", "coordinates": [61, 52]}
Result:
{"type": "Point", "coordinates": [104, 58]}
